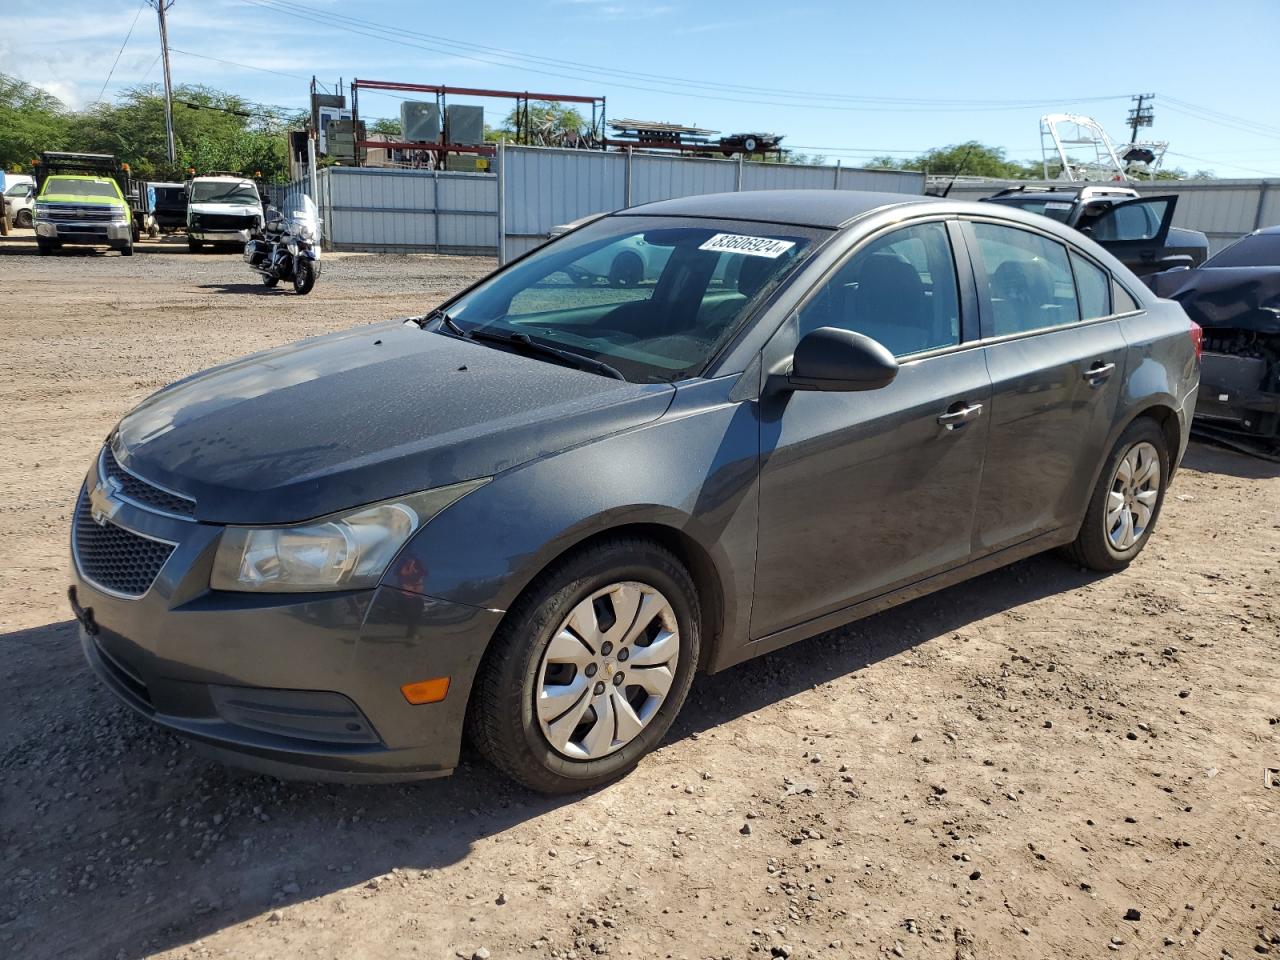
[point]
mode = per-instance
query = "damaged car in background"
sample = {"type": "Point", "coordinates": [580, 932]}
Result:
{"type": "Point", "coordinates": [1235, 297]}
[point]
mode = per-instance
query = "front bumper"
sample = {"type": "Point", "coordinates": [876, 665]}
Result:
{"type": "Point", "coordinates": [85, 231]}
{"type": "Point", "coordinates": [219, 236]}
{"type": "Point", "coordinates": [292, 685]}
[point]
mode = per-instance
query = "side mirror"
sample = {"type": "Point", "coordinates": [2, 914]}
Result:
{"type": "Point", "coordinates": [835, 360]}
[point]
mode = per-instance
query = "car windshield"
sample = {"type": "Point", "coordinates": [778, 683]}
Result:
{"type": "Point", "coordinates": [1255, 250]}
{"type": "Point", "coordinates": [215, 192]}
{"type": "Point", "coordinates": [1058, 210]}
{"type": "Point", "coordinates": [653, 297]}
{"type": "Point", "coordinates": [58, 186]}
{"type": "Point", "coordinates": [18, 190]}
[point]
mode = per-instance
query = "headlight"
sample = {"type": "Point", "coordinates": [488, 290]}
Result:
{"type": "Point", "coordinates": [42, 209]}
{"type": "Point", "coordinates": [119, 214]}
{"type": "Point", "coordinates": [292, 247]}
{"type": "Point", "coordinates": [306, 232]}
{"type": "Point", "coordinates": [347, 551]}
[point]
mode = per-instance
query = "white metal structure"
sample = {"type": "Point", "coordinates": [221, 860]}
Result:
{"type": "Point", "coordinates": [1077, 148]}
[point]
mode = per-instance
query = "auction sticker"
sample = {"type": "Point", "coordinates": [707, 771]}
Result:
{"type": "Point", "coordinates": [751, 246]}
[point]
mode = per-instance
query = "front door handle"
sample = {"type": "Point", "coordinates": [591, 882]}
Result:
{"type": "Point", "coordinates": [953, 419]}
{"type": "Point", "coordinates": [1099, 372]}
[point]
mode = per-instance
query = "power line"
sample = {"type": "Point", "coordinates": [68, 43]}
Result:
{"type": "Point", "coordinates": [486, 55]}
{"type": "Point", "coordinates": [121, 50]}
{"type": "Point", "coordinates": [246, 66]}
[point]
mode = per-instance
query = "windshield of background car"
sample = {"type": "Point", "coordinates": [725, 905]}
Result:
{"type": "Point", "coordinates": [1058, 210]}
{"type": "Point", "coordinates": [1258, 250]}
{"type": "Point", "coordinates": [18, 190]}
{"type": "Point", "coordinates": [56, 186]}
{"type": "Point", "coordinates": [654, 297]}
{"type": "Point", "coordinates": [214, 192]}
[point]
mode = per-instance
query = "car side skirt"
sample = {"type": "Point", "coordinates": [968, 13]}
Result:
{"type": "Point", "coordinates": [920, 588]}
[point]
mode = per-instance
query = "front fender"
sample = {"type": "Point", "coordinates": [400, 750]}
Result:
{"type": "Point", "coordinates": [694, 471]}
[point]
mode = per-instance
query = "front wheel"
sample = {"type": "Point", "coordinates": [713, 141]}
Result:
{"type": "Point", "coordinates": [589, 668]}
{"type": "Point", "coordinates": [193, 246]}
{"type": "Point", "coordinates": [305, 273]}
{"type": "Point", "coordinates": [23, 218]}
{"type": "Point", "coordinates": [126, 250]}
{"type": "Point", "coordinates": [1126, 502]}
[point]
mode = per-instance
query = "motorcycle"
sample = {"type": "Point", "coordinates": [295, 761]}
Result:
{"type": "Point", "coordinates": [287, 247]}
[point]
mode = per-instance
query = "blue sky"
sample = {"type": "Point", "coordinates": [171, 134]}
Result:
{"type": "Point", "coordinates": [927, 72]}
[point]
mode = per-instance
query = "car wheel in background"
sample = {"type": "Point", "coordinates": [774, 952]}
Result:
{"type": "Point", "coordinates": [627, 270]}
{"type": "Point", "coordinates": [23, 218]}
{"type": "Point", "coordinates": [193, 246]}
{"type": "Point", "coordinates": [589, 668]}
{"type": "Point", "coordinates": [1126, 502]}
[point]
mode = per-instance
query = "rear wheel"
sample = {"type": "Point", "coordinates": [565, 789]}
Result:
{"type": "Point", "coordinates": [1126, 502]}
{"type": "Point", "coordinates": [589, 668]}
{"type": "Point", "coordinates": [269, 281]}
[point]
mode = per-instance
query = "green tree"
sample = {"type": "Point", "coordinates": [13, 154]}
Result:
{"type": "Point", "coordinates": [551, 124]}
{"type": "Point", "coordinates": [31, 121]}
{"type": "Point", "coordinates": [969, 159]}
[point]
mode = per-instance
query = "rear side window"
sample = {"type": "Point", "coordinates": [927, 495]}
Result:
{"type": "Point", "coordinates": [1093, 286]}
{"type": "Point", "coordinates": [1029, 281]}
{"type": "Point", "coordinates": [899, 290]}
{"type": "Point", "coordinates": [1124, 299]}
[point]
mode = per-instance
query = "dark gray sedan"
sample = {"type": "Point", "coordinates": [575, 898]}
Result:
{"type": "Point", "coordinates": [535, 512]}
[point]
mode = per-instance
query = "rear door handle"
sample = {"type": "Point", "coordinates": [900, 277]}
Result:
{"type": "Point", "coordinates": [958, 418]}
{"type": "Point", "coordinates": [1099, 372]}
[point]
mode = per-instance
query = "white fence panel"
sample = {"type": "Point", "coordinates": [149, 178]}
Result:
{"type": "Point", "coordinates": [785, 176]}
{"type": "Point", "coordinates": [884, 181]}
{"type": "Point", "coordinates": [662, 178]}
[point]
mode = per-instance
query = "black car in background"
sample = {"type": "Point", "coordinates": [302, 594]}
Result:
{"type": "Point", "coordinates": [536, 511]}
{"type": "Point", "coordinates": [170, 210]}
{"type": "Point", "coordinates": [1235, 297]}
{"type": "Point", "coordinates": [1137, 230]}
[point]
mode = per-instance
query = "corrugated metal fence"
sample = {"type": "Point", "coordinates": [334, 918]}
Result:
{"type": "Point", "coordinates": [544, 187]}
{"type": "Point", "coordinates": [1223, 210]}
{"type": "Point", "coordinates": [535, 189]}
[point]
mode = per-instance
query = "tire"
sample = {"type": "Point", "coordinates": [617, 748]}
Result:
{"type": "Point", "coordinates": [46, 247]}
{"type": "Point", "coordinates": [627, 270]}
{"type": "Point", "coordinates": [268, 281]}
{"type": "Point", "coordinates": [126, 250]}
{"type": "Point", "coordinates": [1099, 546]}
{"type": "Point", "coordinates": [503, 719]}
{"type": "Point", "coordinates": [305, 274]}
{"type": "Point", "coordinates": [23, 219]}
{"type": "Point", "coordinates": [193, 246]}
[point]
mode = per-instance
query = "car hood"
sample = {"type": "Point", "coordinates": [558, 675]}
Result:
{"type": "Point", "coordinates": [360, 416]}
{"type": "Point", "coordinates": [245, 209]}
{"type": "Point", "coordinates": [1244, 298]}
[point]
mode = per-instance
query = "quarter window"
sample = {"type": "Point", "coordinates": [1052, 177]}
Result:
{"type": "Point", "coordinates": [899, 290]}
{"type": "Point", "coordinates": [1093, 285]}
{"type": "Point", "coordinates": [1029, 280]}
{"type": "Point", "coordinates": [1124, 299]}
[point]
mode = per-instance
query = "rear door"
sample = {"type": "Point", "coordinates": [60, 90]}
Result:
{"type": "Point", "coordinates": [1135, 231]}
{"type": "Point", "coordinates": [1056, 357]}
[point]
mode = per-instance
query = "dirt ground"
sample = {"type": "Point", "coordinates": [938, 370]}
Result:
{"type": "Point", "coordinates": [1039, 763]}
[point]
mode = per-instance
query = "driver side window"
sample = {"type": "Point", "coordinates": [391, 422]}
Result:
{"type": "Point", "coordinates": [899, 290]}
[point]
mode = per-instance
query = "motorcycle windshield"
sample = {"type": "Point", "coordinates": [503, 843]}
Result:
{"type": "Point", "coordinates": [303, 213]}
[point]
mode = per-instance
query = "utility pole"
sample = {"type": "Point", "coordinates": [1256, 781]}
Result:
{"type": "Point", "coordinates": [161, 6]}
{"type": "Point", "coordinates": [1143, 115]}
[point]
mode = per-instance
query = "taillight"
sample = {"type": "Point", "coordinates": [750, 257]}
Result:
{"type": "Point", "coordinates": [1197, 338]}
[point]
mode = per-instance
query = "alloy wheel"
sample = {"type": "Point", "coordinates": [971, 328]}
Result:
{"type": "Point", "coordinates": [607, 670]}
{"type": "Point", "coordinates": [1135, 489]}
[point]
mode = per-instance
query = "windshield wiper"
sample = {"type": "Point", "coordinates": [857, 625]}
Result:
{"type": "Point", "coordinates": [572, 358]}
{"type": "Point", "coordinates": [446, 320]}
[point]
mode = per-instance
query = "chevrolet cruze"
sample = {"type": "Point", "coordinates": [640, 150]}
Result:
{"type": "Point", "coordinates": [532, 514]}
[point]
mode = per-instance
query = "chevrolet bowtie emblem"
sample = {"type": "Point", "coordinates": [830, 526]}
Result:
{"type": "Point", "coordinates": [102, 500]}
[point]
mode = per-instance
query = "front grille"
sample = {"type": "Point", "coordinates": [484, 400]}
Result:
{"type": "Point", "coordinates": [113, 558]}
{"type": "Point", "coordinates": [80, 213]}
{"type": "Point", "coordinates": [225, 221]}
{"type": "Point", "coordinates": [142, 493]}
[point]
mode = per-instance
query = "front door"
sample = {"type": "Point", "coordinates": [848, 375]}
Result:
{"type": "Point", "coordinates": [863, 492]}
{"type": "Point", "coordinates": [1056, 366]}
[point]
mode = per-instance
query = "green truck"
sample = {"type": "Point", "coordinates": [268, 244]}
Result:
{"type": "Point", "coordinates": [81, 198]}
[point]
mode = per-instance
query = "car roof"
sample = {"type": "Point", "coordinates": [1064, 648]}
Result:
{"type": "Point", "coordinates": [1269, 230]}
{"type": "Point", "coordinates": [807, 208]}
